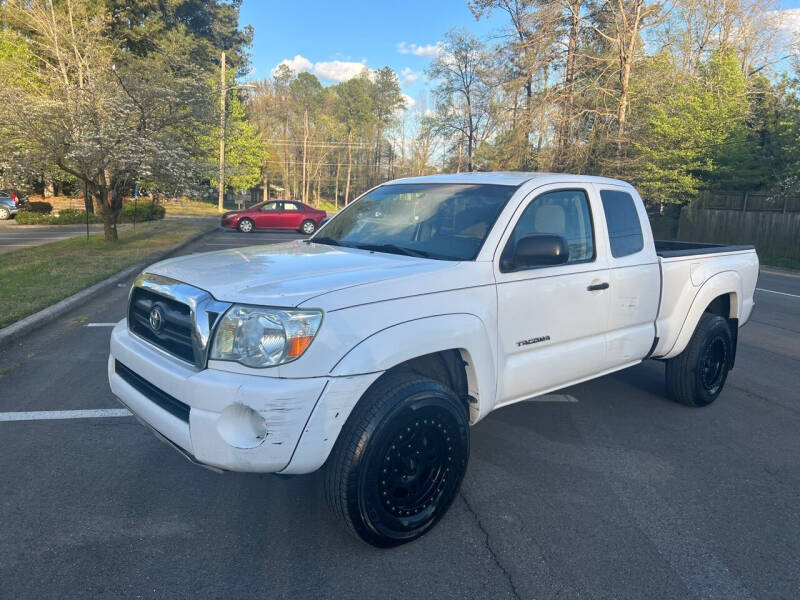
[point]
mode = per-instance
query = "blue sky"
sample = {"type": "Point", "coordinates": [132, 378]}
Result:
{"type": "Point", "coordinates": [331, 38]}
{"type": "Point", "coordinates": [356, 32]}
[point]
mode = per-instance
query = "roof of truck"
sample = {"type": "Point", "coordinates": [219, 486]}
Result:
{"type": "Point", "coordinates": [514, 178]}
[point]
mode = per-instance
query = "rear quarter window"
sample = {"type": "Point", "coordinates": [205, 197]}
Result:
{"type": "Point", "coordinates": [624, 227]}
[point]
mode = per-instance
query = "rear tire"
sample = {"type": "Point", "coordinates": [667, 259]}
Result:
{"type": "Point", "coordinates": [697, 375]}
{"type": "Point", "coordinates": [308, 227]}
{"type": "Point", "coordinates": [399, 460]}
{"type": "Point", "coordinates": [245, 226]}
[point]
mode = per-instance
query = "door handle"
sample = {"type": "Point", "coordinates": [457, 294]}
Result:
{"type": "Point", "coordinates": [598, 286]}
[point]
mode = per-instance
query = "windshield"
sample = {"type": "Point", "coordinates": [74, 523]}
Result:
{"type": "Point", "coordinates": [445, 221]}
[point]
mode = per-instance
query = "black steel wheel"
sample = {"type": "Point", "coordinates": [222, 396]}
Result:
{"type": "Point", "coordinates": [697, 375]}
{"type": "Point", "coordinates": [245, 225]}
{"type": "Point", "coordinates": [400, 459]}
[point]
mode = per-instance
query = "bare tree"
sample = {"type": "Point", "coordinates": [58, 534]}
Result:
{"type": "Point", "coordinates": [462, 95]}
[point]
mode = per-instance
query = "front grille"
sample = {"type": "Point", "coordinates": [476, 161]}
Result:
{"type": "Point", "coordinates": [175, 334]}
{"type": "Point", "coordinates": [169, 403]}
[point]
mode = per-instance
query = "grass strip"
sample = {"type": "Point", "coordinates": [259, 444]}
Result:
{"type": "Point", "coordinates": [34, 278]}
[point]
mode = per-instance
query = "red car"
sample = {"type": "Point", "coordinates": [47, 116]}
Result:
{"type": "Point", "coordinates": [276, 214]}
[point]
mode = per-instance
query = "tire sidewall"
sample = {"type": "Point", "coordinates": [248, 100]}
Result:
{"type": "Point", "coordinates": [369, 519]}
{"type": "Point", "coordinates": [717, 329]}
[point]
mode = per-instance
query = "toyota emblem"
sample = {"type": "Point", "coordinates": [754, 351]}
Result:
{"type": "Point", "coordinates": [156, 318]}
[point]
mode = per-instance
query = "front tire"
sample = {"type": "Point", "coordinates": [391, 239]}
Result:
{"type": "Point", "coordinates": [308, 227]}
{"type": "Point", "coordinates": [399, 460]}
{"type": "Point", "coordinates": [697, 375]}
{"type": "Point", "coordinates": [245, 226]}
{"type": "Point", "coordinates": [5, 214]}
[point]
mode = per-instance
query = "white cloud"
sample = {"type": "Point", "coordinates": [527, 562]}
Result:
{"type": "Point", "coordinates": [408, 77]}
{"type": "Point", "coordinates": [410, 102]}
{"type": "Point", "coordinates": [298, 64]}
{"type": "Point", "coordinates": [338, 70]}
{"type": "Point", "coordinates": [334, 70]}
{"type": "Point", "coordinates": [426, 51]}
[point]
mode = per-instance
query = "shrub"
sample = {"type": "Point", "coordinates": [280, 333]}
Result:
{"type": "Point", "coordinates": [33, 218]}
{"type": "Point", "coordinates": [44, 208]}
{"type": "Point", "coordinates": [145, 211]}
{"type": "Point", "coordinates": [73, 216]}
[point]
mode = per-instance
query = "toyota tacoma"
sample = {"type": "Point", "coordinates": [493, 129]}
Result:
{"type": "Point", "coordinates": [370, 348]}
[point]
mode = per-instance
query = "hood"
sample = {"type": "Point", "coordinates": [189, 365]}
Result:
{"type": "Point", "coordinates": [291, 273]}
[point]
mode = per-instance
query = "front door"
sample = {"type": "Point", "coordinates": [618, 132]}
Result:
{"type": "Point", "coordinates": [552, 320]}
{"type": "Point", "coordinates": [268, 215]}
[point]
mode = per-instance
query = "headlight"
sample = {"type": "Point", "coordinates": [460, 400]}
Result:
{"type": "Point", "coordinates": [264, 337]}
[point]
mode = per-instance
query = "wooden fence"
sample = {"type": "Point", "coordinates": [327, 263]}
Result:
{"type": "Point", "coordinates": [772, 226]}
{"type": "Point", "coordinates": [750, 202]}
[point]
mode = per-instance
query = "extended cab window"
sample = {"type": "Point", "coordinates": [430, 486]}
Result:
{"type": "Point", "coordinates": [624, 228]}
{"type": "Point", "coordinates": [563, 212]}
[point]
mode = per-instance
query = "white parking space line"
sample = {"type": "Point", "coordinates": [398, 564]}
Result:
{"type": "Point", "coordinates": [49, 415]}
{"type": "Point", "coordinates": [780, 293]}
{"type": "Point", "coordinates": [100, 324]}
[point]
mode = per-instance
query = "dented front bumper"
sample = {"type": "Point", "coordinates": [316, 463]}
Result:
{"type": "Point", "coordinates": [232, 421]}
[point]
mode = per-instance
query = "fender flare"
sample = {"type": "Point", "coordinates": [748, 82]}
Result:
{"type": "Point", "coordinates": [404, 341]}
{"type": "Point", "coordinates": [721, 284]}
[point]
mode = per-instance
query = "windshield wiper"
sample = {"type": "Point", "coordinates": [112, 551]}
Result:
{"type": "Point", "coordinates": [392, 249]}
{"type": "Point", "coordinates": [324, 240]}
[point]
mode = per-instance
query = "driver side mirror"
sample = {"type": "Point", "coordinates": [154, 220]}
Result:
{"type": "Point", "coordinates": [537, 250]}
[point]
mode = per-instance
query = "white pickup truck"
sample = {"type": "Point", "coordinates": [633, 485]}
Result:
{"type": "Point", "coordinates": [423, 306]}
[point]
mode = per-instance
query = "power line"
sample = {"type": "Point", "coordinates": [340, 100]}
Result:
{"type": "Point", "coordinates": [319, 144]}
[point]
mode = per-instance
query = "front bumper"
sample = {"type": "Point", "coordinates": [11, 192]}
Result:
{"type": "Point", "coordinates": [302, 417]}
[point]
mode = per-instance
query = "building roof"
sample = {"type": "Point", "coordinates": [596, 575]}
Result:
{"type": "Point", "coordinates": [513, 178]}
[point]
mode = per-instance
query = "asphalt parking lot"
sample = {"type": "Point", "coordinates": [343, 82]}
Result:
{"type": "Point", "coordinates": [607, 490]}
{"type": "Point", "coordinates": [15, 237]}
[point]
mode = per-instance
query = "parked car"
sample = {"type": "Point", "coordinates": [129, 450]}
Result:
{"type": "Point", "coordinates": [416, 311]}
{"type": "Point", "coordinates": [276, 214]}
{"type": "Point", "coordinates": [10, 203]}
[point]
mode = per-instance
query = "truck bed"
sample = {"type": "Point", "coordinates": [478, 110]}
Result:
{"type": "Point", "coordinates": [670, 249]}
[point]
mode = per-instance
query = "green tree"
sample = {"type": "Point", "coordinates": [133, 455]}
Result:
{"type": "Point", "coordinates": [692, 131]}
{"type": "Point", "coordinates": [354, 110]}
{"type": "Point", "coordinates": [306, 93]}
{"type": "Point", "coordinates": [107, 117]}
{"type": "Point", "coordinates": [244, 152]}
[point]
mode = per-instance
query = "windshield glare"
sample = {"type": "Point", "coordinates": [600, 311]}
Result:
{"type": "Point", "coordinates": [434, 220]}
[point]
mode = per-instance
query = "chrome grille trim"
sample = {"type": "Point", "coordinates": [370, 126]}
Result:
{"type": "Point", "coordinates": [204, 312]}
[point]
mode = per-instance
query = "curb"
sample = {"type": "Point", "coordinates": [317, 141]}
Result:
{"type": "Point", "coordinates": [779, 271]}
{"type": "Point", "coordinates": [47, 315]}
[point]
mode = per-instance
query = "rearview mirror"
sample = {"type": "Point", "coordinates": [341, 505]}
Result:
{"type": "Point", "coordinates": [537, 250]}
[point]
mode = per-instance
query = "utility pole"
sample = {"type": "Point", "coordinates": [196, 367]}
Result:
{"type": "Point", "coordinates": [222, 91]}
